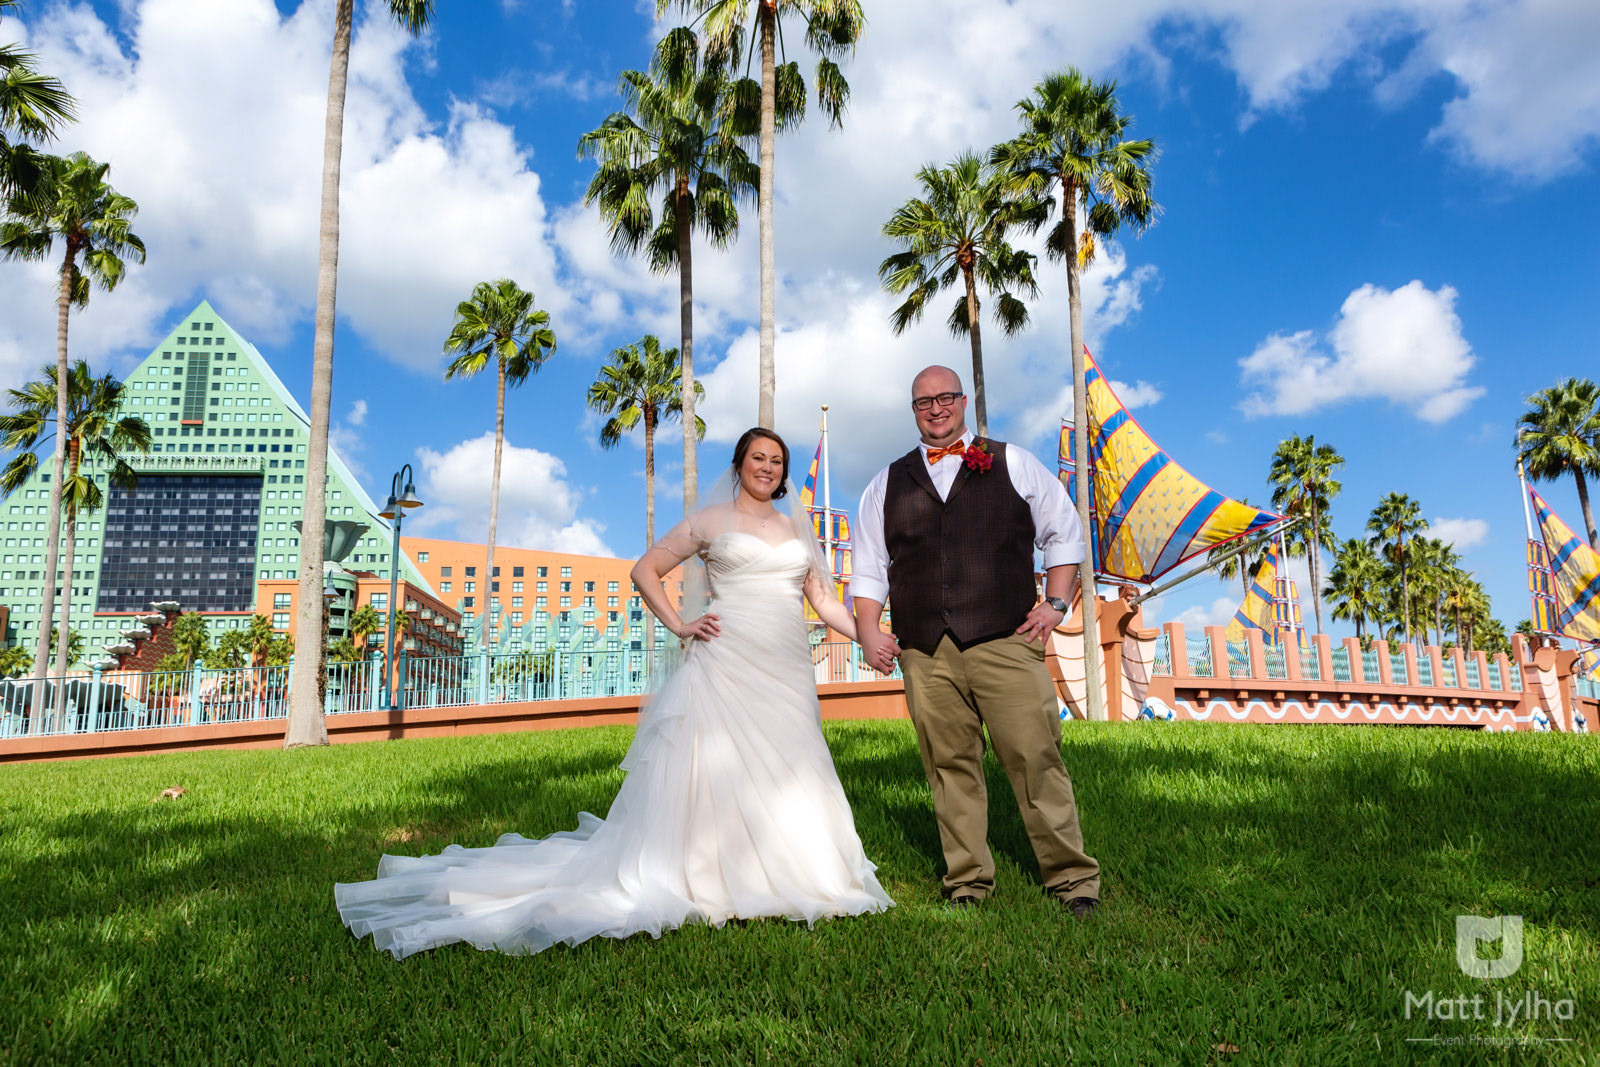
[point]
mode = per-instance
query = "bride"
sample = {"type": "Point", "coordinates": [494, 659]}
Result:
{"type": "Point", "coordinates": [731, 807]}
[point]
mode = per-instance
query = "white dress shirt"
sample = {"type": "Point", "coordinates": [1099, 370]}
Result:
{"type": "Point", "coordinates": [1056, 530]}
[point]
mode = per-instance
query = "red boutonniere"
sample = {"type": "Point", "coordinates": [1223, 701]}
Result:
{"type": "Point", "coordinates": [977, 457]}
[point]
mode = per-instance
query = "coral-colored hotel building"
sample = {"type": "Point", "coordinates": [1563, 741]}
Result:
{"type": "Point", "coordinates": [544, 598]}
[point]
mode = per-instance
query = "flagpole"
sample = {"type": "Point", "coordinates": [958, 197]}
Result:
{"type": "Point", "coordinates": [1527, 515]}
{"type": "Point", "coordinates": [827, 497]}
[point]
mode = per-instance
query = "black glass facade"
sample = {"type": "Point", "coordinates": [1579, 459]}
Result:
{"type": "Point", "coordinates": [184, 537]}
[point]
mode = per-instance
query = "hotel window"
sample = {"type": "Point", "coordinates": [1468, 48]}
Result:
{"type": "Point", "coordinates": [539, 603]}
{"type": "Point", "coordinates": [542, 572]}
{"type": "Point", "coordinates": [516, 618]}
{"type": "Point", "coordinates": [468, 601]}
{"type": "Point", "coordinates": [496, 573]}
{"type": "Point", "coordinates": [542, 587]}
{"type": "Point", "coordinates": [516, 587]}
{"type": "Point", "coordinates": [379, 601]}
{"type": "Point", "coordinates": [472, 572]}
{"type": "Point", "coordinates": [516, 572]}
{"type": "Point", "coordinates": [280, 601]}
{"type": "Point", "coordinates": [566, 572]}
{"type": "Point", "coordinates": [422, 557]}
{"type": "Point", "coordinates": [444, 572]}
{"type": "Point", "coordinates": [611, 601]}
{"type": "Point", "coordinates": [444, 587]}
{"type": "Point", "coordinates": [280, 620]}
{"type": "Point", "coordinates": [566, 587]}
{"type": "Point", "coordinates": [588, 587]}
{"type": "Point", "coordinates": [516, 602]}
{"type": "Point", "coordinates": [588, 601]}
{"type": "Point", "coordinates": [611, 587]}
{"type": "Point", "coordinates": [566, 602]}
{"type": "Point", "coordinates": [471, 587]}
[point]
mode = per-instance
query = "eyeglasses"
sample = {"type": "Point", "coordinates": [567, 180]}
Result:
{"type": "Point", "coordinates": [944, 400]}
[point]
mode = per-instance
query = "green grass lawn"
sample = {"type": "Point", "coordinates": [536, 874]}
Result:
{"type": "Point", "coordinates": [1271, 890]}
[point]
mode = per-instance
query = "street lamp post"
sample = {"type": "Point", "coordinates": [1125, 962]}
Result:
{"type": "Point", "coordinates": [402, 495]}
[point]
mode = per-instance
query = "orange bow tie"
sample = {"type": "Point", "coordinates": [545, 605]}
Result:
{"type": "Point", "coordinates": [936, 454]}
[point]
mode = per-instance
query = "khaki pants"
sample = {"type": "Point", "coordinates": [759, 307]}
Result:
{"type": "Point", "coordinates": [1002, 685]}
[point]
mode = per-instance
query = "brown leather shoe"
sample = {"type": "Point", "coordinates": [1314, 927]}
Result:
{"type": "Point", "coordinates": [1082, 907]}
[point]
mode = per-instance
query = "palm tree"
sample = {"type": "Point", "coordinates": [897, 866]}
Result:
{"type": "Point", "coordinates": [1355, 585]}
{"type": "Point", "coordinates": [97, 432]}
{"type": "Point", "coordinates": [1395, 518]}
{"type": "Point", "coordinates": [679, 135]}
{"type": "Point", "coordinates": [71, 652]}
{"type": "Point", "coordinates": [641, 385]}
{"type": "Point", "coordinates": [229, 651]}
{"type": "Point", "coordinates": [191, 637]}
{"type": "Point", "coordinates": [832, 29]}
{"type": "Point", "coordinates": [306, 725]}
{"type": "Point", "coordinates": [500, 323]}
{"type": "Point", "coordinates": [15, 661]}
{"type": "Point", "coordinates": [259, 636]}
{"type": "Point", "coordinates": [1073, 137]}
{"type": "Point", "coordinates": [1432, 564]}
{"type": "Point", "coordinates": [1302, 476]}
{"type": "Point", "coordinates": [73, 204]}
{"type": "Point", "coordinates": [364, 622]}
{"type": "Point", "coordinates": [957, 230]}
{"type": "Point", "coordinates": [32, 107]}
{"type": "Point", "coordinates": [1559, 434]}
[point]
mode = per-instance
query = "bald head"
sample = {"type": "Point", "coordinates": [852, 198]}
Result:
{"type": "Point", "coordinates": [940, 423]}
{"type": "Point", "coordinates": [933, 380]}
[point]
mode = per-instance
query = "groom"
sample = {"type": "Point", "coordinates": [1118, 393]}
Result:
{"type": "Point", "coordinates": [947, 534]}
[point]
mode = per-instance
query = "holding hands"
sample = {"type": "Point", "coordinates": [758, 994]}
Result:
{"type": "Point", "coordinates": [879, 648]}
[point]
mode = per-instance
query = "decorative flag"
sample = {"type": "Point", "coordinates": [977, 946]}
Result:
{"type": "Point", "coordinates": [1574, 570]}
{"type": "Point", "coordinates": [1148, 513]}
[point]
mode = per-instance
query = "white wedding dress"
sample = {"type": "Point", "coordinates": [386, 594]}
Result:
{"type": "Point", "coordinates": [731, 807]}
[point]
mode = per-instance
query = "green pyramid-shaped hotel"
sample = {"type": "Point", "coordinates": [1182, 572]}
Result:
{"type": "Point", "coordinates": [214, 510]}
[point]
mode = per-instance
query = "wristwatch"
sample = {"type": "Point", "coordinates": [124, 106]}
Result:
{"type": "Point", "coordinates": [1057, 603]}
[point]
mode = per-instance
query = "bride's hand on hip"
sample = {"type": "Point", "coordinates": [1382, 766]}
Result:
{"type": "Point", "coordinates": [704, 628]}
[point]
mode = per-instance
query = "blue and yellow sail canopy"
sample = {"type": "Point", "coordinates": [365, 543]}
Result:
{"type": "Point", "coordinates": [1575, 572]}
{"type": "Point", "coordinates": [1150, 514]}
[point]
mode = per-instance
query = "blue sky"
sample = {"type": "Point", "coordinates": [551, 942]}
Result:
{"type": "Point", "coordinates": [1378, 227]}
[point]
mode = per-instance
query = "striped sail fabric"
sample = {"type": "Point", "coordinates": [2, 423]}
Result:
{"type": "Point", "coordinates": [1257, 611]}
{"type": "Point", "coordinates": [1575, 570]}
{"type": "Point", "coordinates": [1149, 514]}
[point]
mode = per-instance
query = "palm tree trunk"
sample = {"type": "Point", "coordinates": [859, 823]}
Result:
{"type": "Point", "coordinates": [1093, 708]}
{"type": "Point", "coordinates": [307, 724]}
{"type": "Point", "coordinates": [767, 13]}
{"type": "Point", "coordinates": [1583, 505]}
{"type": "Point", "coordinates": [1405, 589]}
{"type": "Point", "coordinates": [69, 519]}
{"type": "Point", "coordinates": [1315, 552]}
{"type": "Point", "coordinates": [649, 478]}
{"type": "Point", "coordinates": [58, 469]}
{"type": "Point", "coordinates": [978, 405]}
{"type": "Point", "coordinates": [691, 466]}
{"type": "Point", "coordinates": [494, 502]}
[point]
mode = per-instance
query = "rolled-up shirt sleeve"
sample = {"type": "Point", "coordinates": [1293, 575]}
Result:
{"type": "Point", "coordinates": [1057, 533]}
{"type": "Point", "coordinates": [869, 562]}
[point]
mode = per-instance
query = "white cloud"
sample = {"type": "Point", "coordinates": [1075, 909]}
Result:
{"type": "Point", "coordinates": [1404, 346]}
{"type": "Point", "coordinates": [1141, 394]}
{"type": "Point", "coordinates": [538, 505]}
{"type": "Point", "coordinates": [358, 413]}
{"type": "Point", "coordinates": [1462, 533]}
{"type": "Point", "coordinates": [228, 177]}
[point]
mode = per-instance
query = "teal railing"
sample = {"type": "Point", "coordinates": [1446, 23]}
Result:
{"type": "Point", "coordinates": [101, 701]}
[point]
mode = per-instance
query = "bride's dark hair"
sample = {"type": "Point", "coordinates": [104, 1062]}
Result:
{"type": "Point", "coordinates": [743, 447]}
